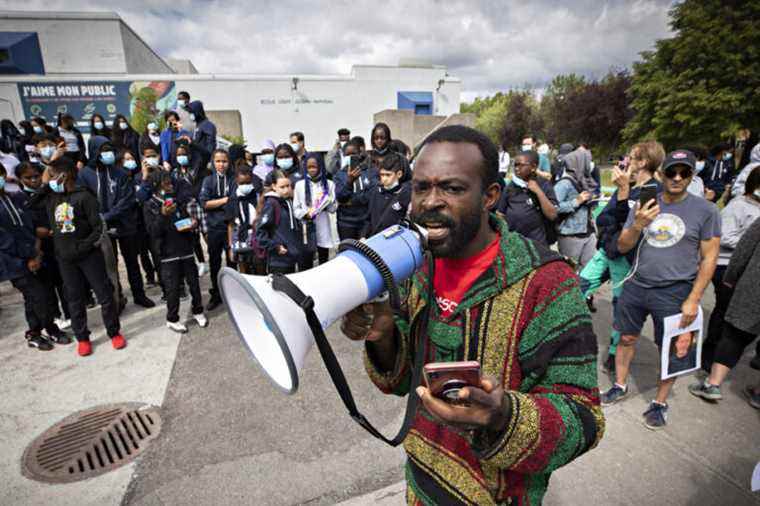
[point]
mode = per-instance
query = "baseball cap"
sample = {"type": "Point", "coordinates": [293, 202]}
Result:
{"type": "Point", "coordinates": [680, 157]}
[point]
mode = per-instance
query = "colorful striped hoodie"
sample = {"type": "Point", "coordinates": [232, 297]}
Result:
{"type": "Point", "coordinates": [528, 325]}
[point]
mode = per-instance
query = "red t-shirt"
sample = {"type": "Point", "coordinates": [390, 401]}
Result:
{"type": "Point", "coordinates": [454, 276]}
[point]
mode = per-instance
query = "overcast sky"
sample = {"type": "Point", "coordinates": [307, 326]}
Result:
{"type": "Point", "coordinates": [490, 45]}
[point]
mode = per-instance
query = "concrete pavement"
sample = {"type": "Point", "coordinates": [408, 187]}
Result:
{"type": "Point", "coordinates": [230, 438]}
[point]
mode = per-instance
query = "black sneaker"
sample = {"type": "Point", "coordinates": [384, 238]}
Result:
{"type": "Point", "coordinates": [613, 395]}
{"type": "Point", "coordinates": [58, 336]}
{"type": "Point", "coordinates": [656, 417]}
{"type": "Point", "coordinates": [213, 304]}
{"type": "Point", "coordinates": [144, 301]}
{"type": "Point", "coordinates": [34, 340]}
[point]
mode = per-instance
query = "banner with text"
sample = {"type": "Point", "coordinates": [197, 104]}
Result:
{"type": "Point", "coordinates": [140, 101]}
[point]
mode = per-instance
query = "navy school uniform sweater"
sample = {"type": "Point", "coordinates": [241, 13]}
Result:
{"type": "Point", "coordinates": [17, 240]}
{"type": "Point", "coordinates": [278, 226]}
{"type": "Point", "coordinates": [387, 207]}
{"type": "Point", "coordinates": [215, 187]}
{"type": "Point", "coordinates": [353, 197]}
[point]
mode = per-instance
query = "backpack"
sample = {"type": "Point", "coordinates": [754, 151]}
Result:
{"type": "Point", "coordinates": [258, 251]}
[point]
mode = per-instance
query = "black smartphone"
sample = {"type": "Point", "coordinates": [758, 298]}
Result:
{"type": "Point", "coordinates": [354, 162]}
{"type": "Point", "coordinates": [647, 193]}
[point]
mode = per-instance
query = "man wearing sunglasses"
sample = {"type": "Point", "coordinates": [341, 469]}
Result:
{"type": "Point", "coordinates": [677, 237]}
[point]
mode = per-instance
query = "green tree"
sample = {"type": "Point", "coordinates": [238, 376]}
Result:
{"type": "Point", "coordinates": [703, 83]}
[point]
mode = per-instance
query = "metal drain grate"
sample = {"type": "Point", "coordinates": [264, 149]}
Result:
{"type": "Point", "coordinates": [91, 442]}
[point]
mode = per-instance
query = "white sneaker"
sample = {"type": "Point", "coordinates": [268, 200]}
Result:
{"type": "Point", "coordinates": [63, 324]}
{"type": "Point", "coordinates": [202, 268]}
{"type": "Point", "coordinates": [201, 319]}
{"type": "Point", "coordinates": [177, 327]}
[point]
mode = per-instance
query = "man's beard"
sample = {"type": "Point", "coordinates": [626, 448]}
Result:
{"type": "Point", "coordinates": [460, 234]}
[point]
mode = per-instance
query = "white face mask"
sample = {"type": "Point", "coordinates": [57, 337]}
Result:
{"type": "Point", "coordinates": [527, 147]}
{"type": "Point", "coordinates": [700, 165]}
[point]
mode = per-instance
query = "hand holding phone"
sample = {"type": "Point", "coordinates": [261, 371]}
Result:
{"type": "Point", "coordinates": [446, 379]}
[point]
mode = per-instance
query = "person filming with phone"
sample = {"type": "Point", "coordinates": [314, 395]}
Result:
{"type": "Point", "coordinates": [509, 351]}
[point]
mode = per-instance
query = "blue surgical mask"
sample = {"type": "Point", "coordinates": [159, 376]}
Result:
{"type": "Point", "coordinates": [37, 129]}
{"type": "Point", "coordinates": [2, 182]}
{"type": "Point", "coordinates": [381, 151]}
{"type": "Point", "coordinates": [152, 161]}
{"type": "Point", "coordinates": [181, 103]}
{"type": "Point", "coordinates": [47, 152]}
{"type": "Point", "coordinates": [123, 125]}
{"type": "Point", "coordinates": [296, 147]}
{"type": "Point", "coordinates": [56, 186]}
{"type": "Point", "coordinates": [28, 189]}
{"type": "Point", "coordinates": [285, 163]}
{"type": "Point", "coordinates": [518, 181]}
{"type": "Point", "coordinates": [183, 159]}
{"type": "Point", "coordinates": [268, 159]}
{"type": "Point", "coordinates": [345, 162]}
{"type": "Point", "coordinates": [107, 157]}
{"type": "Point", "coordinates": [130, 164]}
{"type": "Point", "coordinates": [700, 165]}
{"type": "Point", "coordinates": [98, 125]}
{"type": "Point", "coordinates": [244, 189]}
{"type": "Point", "coordinates": [527, 147]}
{"type": "Point", "coordinates": [152, 127]}
{"type": "Point", "coordinates": [727, 156]}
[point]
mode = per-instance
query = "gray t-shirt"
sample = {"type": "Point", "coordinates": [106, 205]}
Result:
{"type": "Point", "coordinates": [670, 251]}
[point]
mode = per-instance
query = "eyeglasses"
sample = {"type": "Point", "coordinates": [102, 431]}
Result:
{"type": "Point", "coordinates": [671, 172]}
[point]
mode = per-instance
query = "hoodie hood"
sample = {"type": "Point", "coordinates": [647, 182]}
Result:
{"type": "Point", "coordinates": [97, 143]}
{"type": "Point", "coordinates": [196, 108]}
{"type": "Point", "coordinates": [578, 168]}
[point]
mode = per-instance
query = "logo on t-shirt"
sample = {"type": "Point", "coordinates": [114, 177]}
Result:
{"type": "Point", "coordinates": [64, 218]}
{"type": "Point", "coordinates": [666, 230]}
{"type": "Point", "coordinates": [447, 306]}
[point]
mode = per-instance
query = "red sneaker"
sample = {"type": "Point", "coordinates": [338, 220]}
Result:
{"type": "Point", "coordinates": [118, 342]}
{"type": "Point", "coordinates": [84, 348]}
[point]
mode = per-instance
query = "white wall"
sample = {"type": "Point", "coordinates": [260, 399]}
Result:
{"type": "Point", "coordinates": [271, 110]}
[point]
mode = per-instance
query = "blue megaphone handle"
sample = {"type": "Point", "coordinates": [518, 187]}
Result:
{"type": "Point", "coordinates": [401, 250]}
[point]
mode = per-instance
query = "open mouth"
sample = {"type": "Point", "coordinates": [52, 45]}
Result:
{"type": "Point", "coordinates": [436, 231]}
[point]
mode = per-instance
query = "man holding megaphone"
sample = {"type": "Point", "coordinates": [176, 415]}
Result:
{"type": "Point", "coordinates": [509, 390]}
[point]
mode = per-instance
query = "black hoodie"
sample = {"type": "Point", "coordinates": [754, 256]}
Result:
{"type": "Point", "coordinates": [205, 132]}
{"type": "Point", "coordinates": [75, 221]}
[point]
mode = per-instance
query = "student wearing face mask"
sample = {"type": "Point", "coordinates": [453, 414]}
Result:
{"type": "Point", "coordinates": [184, 113]}
{"type": "Point", "coordinates": [151, 137]}
{"type": "Point", "coordinates": [215, 193]}
{"type": "Point", "coordinates": [381, 140]}
{"type": "Point", "coordinates": [335, 155]}
{"type": "Point", "coordinates": [286, 159]}
{"type": "Point", "coordinates": [298, 144]}
{"type": "Point", "coordinates": [127, 161]}
{"type": "Point", "coordinates": [75, 146]}
{"type": "Point", "coordinates": [266, 160]}
{"type": "Point", "coordinates": [313, 202]}
{"type": "Point", "coordinates": [40, 126]}
{"type": "Point", "coordinates": [189, 178]}
{"type": "Point", "coordinates": [389, 203]}
{"type": "Point", "coordinates": [30, 178]}
{"type": "Point", "coordinates": [74, 216]}
{"type": "Point", "coordinates": [49, 147]}
{"type": "Point", "coordinates": [719, 170]}
{"type": "Point", "coordinates": [20, 262]}
{"type": "Point", "coordinates": [354, 183]}
{"type": "Point", "coordinates": [172, 229]}
{"type": "Point", "coordinates": [98, 127]}
{"type": "Point", "coordinates": [278, 231]}
{"type": "Point", "coordinates": [174, 131]}
{"type": "Point", "coordinates": [241, 212]}
{"type": "Point", "coordinates": [204, 138]}
{"type": "Point", "coordinates": [124, 137]}
{"type": "Point", "coordinates": [115, 192]}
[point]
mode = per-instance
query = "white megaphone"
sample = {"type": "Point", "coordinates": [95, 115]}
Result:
{"type": "Point", "coordinates": [275, 330]}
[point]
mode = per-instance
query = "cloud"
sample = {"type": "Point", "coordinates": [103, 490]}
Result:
{"type": "Point", "coordinates": [490, 44]}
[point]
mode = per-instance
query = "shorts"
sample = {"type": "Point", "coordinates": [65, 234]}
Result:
{"type": "Point", "coordinates": [637, 302]}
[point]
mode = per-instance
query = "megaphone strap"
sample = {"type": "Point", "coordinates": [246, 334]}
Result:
{"type": "Point", "coordinates": [283, 284]}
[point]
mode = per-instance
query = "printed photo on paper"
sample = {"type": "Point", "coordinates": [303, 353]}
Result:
{"type": "Point", "coordinates": [681, 347]}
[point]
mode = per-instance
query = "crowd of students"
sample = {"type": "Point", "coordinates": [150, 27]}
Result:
{"type": "Point", "coordinates": [69, 208]}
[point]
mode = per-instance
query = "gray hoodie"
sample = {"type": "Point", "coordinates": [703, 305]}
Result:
{"type": "Point", "coordinates": [754, 161]}
{"type": "Point", "coordinates": [735, 219]}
